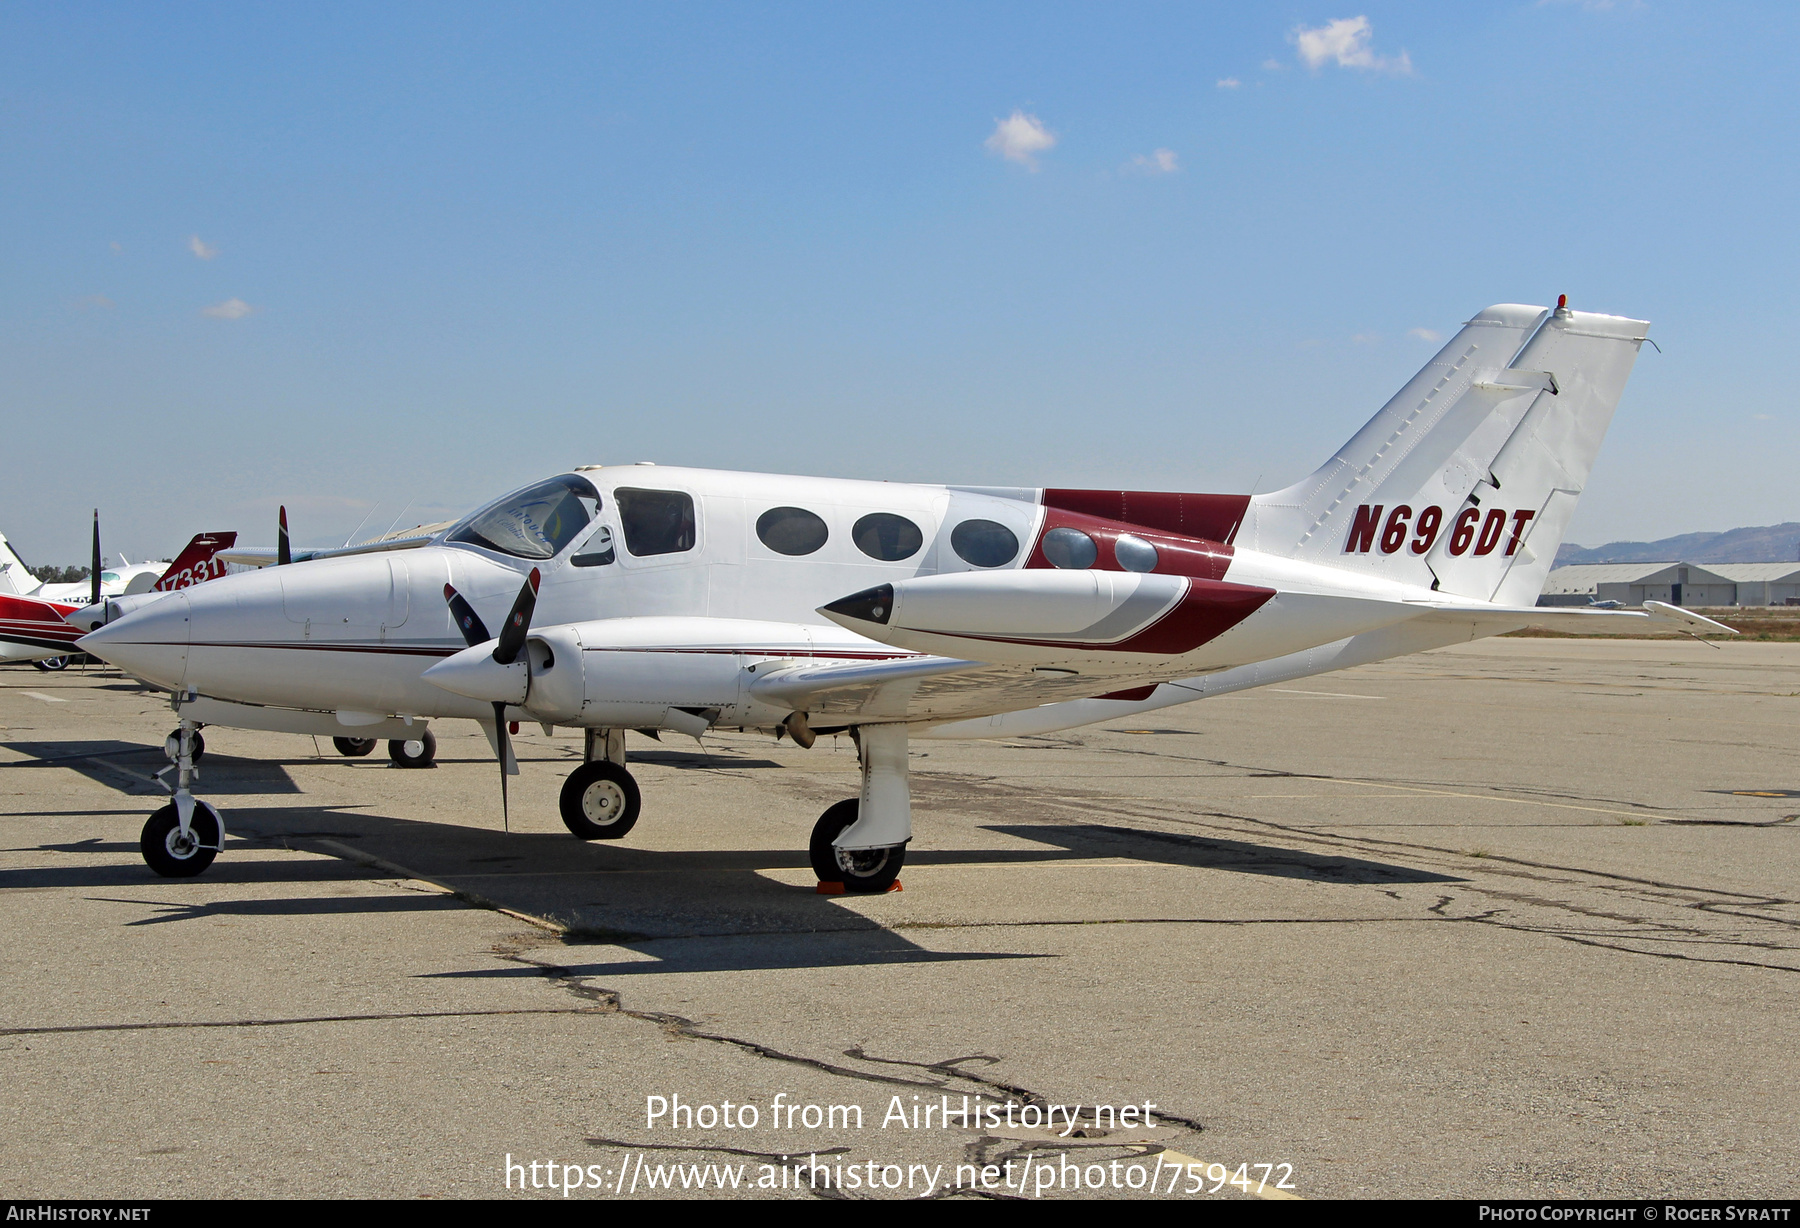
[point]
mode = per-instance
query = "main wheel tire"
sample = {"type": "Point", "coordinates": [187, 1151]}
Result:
{"type": "Point", "coordinates": [353, 748]}
{"type": "Point", "coordinates": [863, 870]}
{"type": "Point", "coordinates": [51, 665]}
{"type": "Point", "coordinates": [172, 857]}
{"type": "Point", "coordinates": [419, 752]}
{"type": "Point", "coordinates": [600, 801]}
{"type": "Point", "coordinates": [172, 746]}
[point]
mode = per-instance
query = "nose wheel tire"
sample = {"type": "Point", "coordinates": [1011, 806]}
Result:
{"type": "Point", "coordinates": [419, 752]}
{"type": "Point", "coordinates": [860, 870]}
{"type": "Point", "coordinates": [171, 854]}
{"type": "Point", "coordinates": [50, 665]}
{"type": "Point", "coordinates": [600, 801]}
{"type": "Point", "coordinates": [353, 748]}
{"type": "Point", "coordinates": [172, 746]}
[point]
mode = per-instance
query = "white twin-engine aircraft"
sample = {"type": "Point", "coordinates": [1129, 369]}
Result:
{"type": "Point", "coordinates": [657, 598]}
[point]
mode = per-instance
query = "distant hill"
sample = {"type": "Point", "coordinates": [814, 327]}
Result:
{"type": "Point", "coordinates": [1775, 543]}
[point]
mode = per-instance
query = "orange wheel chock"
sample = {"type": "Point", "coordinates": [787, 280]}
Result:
{"type": "Point", "coordinates": [840, 889]}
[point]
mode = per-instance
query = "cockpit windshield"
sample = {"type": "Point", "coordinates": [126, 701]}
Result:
{"type": "Point", "coordinates": [534, 523]}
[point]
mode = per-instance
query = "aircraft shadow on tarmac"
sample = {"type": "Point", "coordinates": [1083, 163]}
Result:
{"type": "Point", "coordinates": [860, 943]}
{"type": "Point", "coordinates": [1212, 853]}
{"type": "Point", "coordinates": [130, 767]}
{"type": "Point", "coordinates": [328, 906]}
{"type": "Point", "coordinates": [684, 911]}
{"type": "Point", "coordinates": [680, 910]}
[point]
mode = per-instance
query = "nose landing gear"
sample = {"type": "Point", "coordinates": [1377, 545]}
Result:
{"type": "Point", "coordinates": [182, 838]}
{"type": "Point", "coordinates": [600, 799]}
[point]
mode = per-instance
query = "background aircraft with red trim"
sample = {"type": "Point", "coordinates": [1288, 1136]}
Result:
{"type": "Point", "coordinates": [649, 598]}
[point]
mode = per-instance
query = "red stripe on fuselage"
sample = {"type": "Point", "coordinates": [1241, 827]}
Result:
{"type": "Point", "coordinates": [1213, 517]}
{"type": "Point", "coordinates": [1206, 611]}
{"type": "Point", "coordinates": [1175, 555]}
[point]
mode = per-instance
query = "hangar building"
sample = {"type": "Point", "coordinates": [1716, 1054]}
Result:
{"type": "Point", "coordinates": [1678, 583]}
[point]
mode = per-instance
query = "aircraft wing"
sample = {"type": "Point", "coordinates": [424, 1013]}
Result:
{"type": "Point", "coordinates": [932, 688]}
{"type": "Point", "coordinates": [264, 556]}
{"type": "Point", "coordinates": [923, 688]}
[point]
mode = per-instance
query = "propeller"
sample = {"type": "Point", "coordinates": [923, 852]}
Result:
{"type": "Point", "coordinates": [94, 589]}
{"type": "Point", "coordinates": [506, 651]}
{"type": "Point", "coordinates": [284, 554]}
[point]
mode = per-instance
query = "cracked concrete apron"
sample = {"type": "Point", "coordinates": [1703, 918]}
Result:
{"type": "Point", "coordinates": [1512, 919]}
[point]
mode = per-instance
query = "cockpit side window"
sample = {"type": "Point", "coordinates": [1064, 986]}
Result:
{"type": "Point", "coordinates": [596, 551]}
{"type": "Point", "coordinates": [534, 523]}
{"type": "Point", "coordinates": [656, 521]}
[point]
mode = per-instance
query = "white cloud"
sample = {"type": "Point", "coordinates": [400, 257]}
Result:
{"type": "Point", "coordinates": [1161, 162]}
{"type": "Point", "coordinates": [1346, 41]}
{"type": "Point", "coordinates": [1020, 138]}
{"type": "Point", "coordinates": [1367, 338]}
{"type": "Point", "coordinates": [1228, 83]}
{"type": "Point", "coordinates": [1425, 334]}
{"type": "Point", "coordinates": [1273, 65]}
{"type": "Point", "coordinates": [200, 248]}
{"type": "Point", "coordinates": [1763, 417]}
{"type": "Point", "coordinates": [230, 309]}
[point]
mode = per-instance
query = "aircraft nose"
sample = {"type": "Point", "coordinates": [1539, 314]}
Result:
{"type": "Point", "coordinates": [150, 643]}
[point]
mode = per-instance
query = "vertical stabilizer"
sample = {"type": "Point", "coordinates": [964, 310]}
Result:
{"type": "Point", "coordinates": [197, 562]}
{"type": "Point", "coordinates": [1466, 480]}
{"type": "Point", "coordinates": [15, 577]}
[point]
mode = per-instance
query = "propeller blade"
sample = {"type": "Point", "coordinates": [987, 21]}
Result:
{"type": "Point", "coordinates": [284, 553]}
{"type": "Point", "coordinates": [512, 641]}
{"type": "Point", "coordinates": [502, 739]}
{"type": "Point", "coordinates": [518, 623]}
{"type": "Point", "coordinates": [94, 589]}
{"type": "Point", "coordinates": [474, 631]}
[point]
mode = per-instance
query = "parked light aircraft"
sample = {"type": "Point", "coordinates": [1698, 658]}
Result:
{"type": "Point", "coordinates": [685, 599]}
{"type": "Point", "coordinates": [35, 618]}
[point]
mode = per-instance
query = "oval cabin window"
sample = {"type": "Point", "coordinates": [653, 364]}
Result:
{"type": "Point", "coordinates": [1134, 553]}
{"type": "Point", "coordinates": [885, 536]}
{"type": "Point", "coordinates": [1070, 548]}
{"type": "Point", "coordinates": [984, 543]}
{"type": "Point", "coordinates": [791, 530]}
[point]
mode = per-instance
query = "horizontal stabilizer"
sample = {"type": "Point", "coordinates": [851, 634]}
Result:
{"type": "Point", "coordinates": [1664, 612]}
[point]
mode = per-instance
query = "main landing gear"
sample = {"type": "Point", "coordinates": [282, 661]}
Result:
{"type": "Point", "coordinates": [859, 844]}
{"type": "Point", "coordinates": [419, 752]}
{"type": "Point", "coordinates": [182, 838]}
{"type": "Point", "coordinates": [600, 800]}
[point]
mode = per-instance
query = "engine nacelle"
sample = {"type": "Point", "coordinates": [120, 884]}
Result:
{"type": "Point", "coordinates": [649, 673]}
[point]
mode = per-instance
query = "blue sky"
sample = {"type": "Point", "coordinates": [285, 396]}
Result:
{"type": "Point", "coordinates": [349, 256]}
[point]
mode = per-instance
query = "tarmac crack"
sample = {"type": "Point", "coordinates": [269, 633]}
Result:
{"type": "Point", "coordinates": [947, 1072]}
